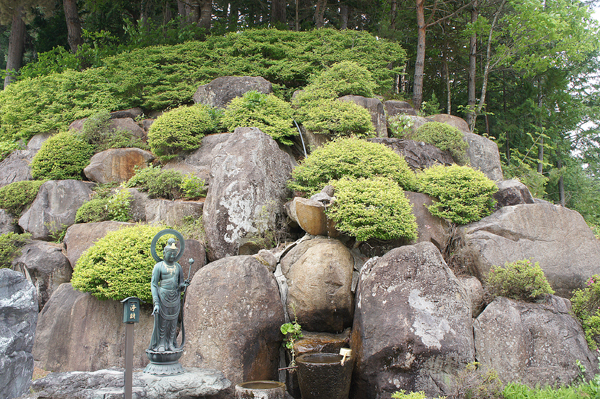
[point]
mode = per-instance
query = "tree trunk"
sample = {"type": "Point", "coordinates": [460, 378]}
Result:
{"type": "Point", "coordinates": [73, 24]}
{"type": "Point", "coordinates": [420, 60]}
{"type": "Point", "coordinates": [393, 11]}
{"type": "Point", "coordinates": [344, 16]}
{"type": "Point", "coordinates": [16, 46]}
{"type": "Point", "coordinates": [205, 14]}
{"type": "Point", "coordinates": [472, 100]}
{"type": "Point", "coordinates": [192, 12]}
{"type": "Point", "coordinates": [181, 8]}
{"type": "Point", "coordinates": [320, 13]}
{"type": "Point", "coordinates": [297, 20]}
{"type": "Point", "coordinates": [278, 14]}
{"type": "Point", "coordinates": [446, 72]}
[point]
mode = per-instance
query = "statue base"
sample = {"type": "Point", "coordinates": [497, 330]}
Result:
{"type": "Point", "coordinates": [164, 363]}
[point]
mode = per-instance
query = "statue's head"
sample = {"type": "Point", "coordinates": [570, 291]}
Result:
{"type": "Point", "coordinates": [170, 251]}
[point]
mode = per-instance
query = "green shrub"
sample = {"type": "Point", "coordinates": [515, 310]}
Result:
{"type": "Point", "coordinates": [10, 247]}
{"type": "Point", "coordinates": [6, 147]}
{"type": "Point", "coordinates": [115, 207]}
{"type": "Point", "coordinates": [399, 125]}
{"type": "Point", "coordinates": [96, 131]}
{"type": "Point", "coordinates": [17, 196]}
{"type": "Point", "coordinates": [268, 113]}
{"type": "Point", "coordinates": [477, 382]}
{"type": "Point", "coordinates": [372, 208]}
{"type": "Point", "coordinates": [445, 137]}
{"type": "Point", "coordinates": [179, 130]}
{"type": "Point", "coordinates": [169, 184]}
{"type": "Point", "coordinates": [63, 156]}
{"type": "Point", "coordinates": [337, 118]}
{"type": "Point", "coordinates": [586, 306]}
{"type": "Point", "coordinates": [402, 394]}
{"type": "Point", "coordinates": [119, 265]}
{"type": "Point", "coordinates": [343, 78]}
{"type": "Point", "coordinates": [519, 280]}
{"type": "Point", "coordinates": [350, 157]}
{"type": "Point", "coordinates": [515, 390]}
{"type": "Point", "coordinates": [463, 195]}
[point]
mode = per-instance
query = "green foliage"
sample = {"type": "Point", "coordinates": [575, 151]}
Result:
{"type": "Point", "coordinates": [515, 390]}
{"type": "Point", "coordinates": [586, 306]}
{"type": "Point", "coordinates": [63, 156]}
{"type": "Point", "coordinates": [268, 113]}
{"type": "Point", "coordinates": [399, 125]}
{"type": "Point", "coordinates": [519, 280]}
{"type": "Point", "coordinates": [521, 170]}
{"type": "Point", "coordinates": [431, 107]}
{"type": "Point", "coordinates": [10, 247]}
{"type": "Point", "coordinates": [292, 332]}
{"type": "Point", "coordinates": [337, 118]}
{"type": "Point", "coordinates": [169, 184]}
{"type": "Point", "coordinates": [372, 208]}
{"type": "Point", "coordinates": [463, 195]}
{"type": "Point", "coordinates": [17, 196]}
{"type": "Point", "coordinates": [477, 382]}
{"type": "Point", "coordinates": [179, 130]}
{"type": "Point", "coordinates": [6, 147]}
{"type": "Point", "coordinates": [350, 157]}
{"type": "Point", "coordinates": [119, 265]}
{"type": "Point", "coordinates": [445, 137]}
{"type": "Point", "coordinates": [116, 207]}
{"type": "Point", "coordinates": [402, 394]}
{"type": "Point", "coordinates": [343, 78]}
{"type": "Point", "coordinates": [96, 131]}
{"type": "Point", "coordinates": [192, 228]}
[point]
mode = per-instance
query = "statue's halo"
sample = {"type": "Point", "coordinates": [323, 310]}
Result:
{"type": "Point", "coordinates": [162, 233]}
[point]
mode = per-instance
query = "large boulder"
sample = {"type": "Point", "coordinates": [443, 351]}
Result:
{"type": "Point", "coordinates": [77, 332]}
{"type": "Point", "coordinates": [172, 213]}
{"type": "Point", "coordinates": [126, 123]}
{"type": "Point", "coordinates": [512, 192]}
{"type": "Point", "coordinates": [319, 279]}
{"type": "Point", "coordinates": [249, 175]}
{"type": "Point", "coordinates": [35, 143]}
{"type": "Point", "coordinates": [375, 108]}
{"type": "Point", "coordinates": [412, 325]}
{"type": "Point", "coordinates": [18, 316]}
{"type": "Point", "coordinates": [310, 216]}
{"type": "Point", "coordinates": [429, 228]}
{"type": "Point", "coordinates": [117, 164]}
{"type": "Point", "coordinates": [556, 237]}
{"type": "Point", "coordinates": [7, 223]}
{"type": "Point", "coordinates": [43, 264]}
{"type": "Point", "coordinates": [81, 236]}
{"type": "Point", "coordinates": [55, 207]}
{"type": "Point", "coordinates": [221, 91]}
{"type": "Point", "coordinates": [533, 343]}
{"type": "Point", "coordinates": [132, 113]}
{"type": "Point", "coordinates": [484, 156]}
{"type": "Point", "coordinates": [194, 383]}
{"type": "Point", "coordinates": [417, 154]}
{"type": "Point", "coordinates": [232, 318]}
{"type": "Point", "coordinates": [16, 167]}
{"type": "Point", "coordinates": [138, 203]}
{"type": "Point", "coordinates": [451, 120]}
{"type": "Point", "coordinates": [394, 107]}
{"type": "Point", "coordinates": [198, 162]}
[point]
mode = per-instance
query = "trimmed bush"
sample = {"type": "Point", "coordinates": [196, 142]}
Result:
{"type": "Point", "coordinates": [586, 306]}
{"type": "Point", "coordinates": [265, 111]}
{"type": "Point", "coordinates": [17, 196]}
{"type": "Point", "coordinates": [63, 156]}
{"type": "Point", "coordinates": [169, 184]}
{"type": "Point", "coordinates": [372, 208]}
{"type": "Point", "coordinates": [116, 207]}
{"type": "Point", "coordinates": [119, 265]}
{"type": "Point", "coordinates": [520, 280]}
{"type": "Point", "coordinates": [445, 137]}
{"type": "Point", "coordinates": [337, 118]}
{"type": "Point", "coordinates": [341, 79]}
{"type": "Point", "coordinates": [10, 247]}
{"type": "Point", "coordinates": [351, 157]}
{"type": "Point", "coordinates": [179, 130]}
{"type": "Point", "coordinates": [463, 194]}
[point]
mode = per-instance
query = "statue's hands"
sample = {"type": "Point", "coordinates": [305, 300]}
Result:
{"type": "Point", "coordinates": [155, 310]}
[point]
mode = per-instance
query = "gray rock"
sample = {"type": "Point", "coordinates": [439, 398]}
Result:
{"type": "Point", "coordinates": [319, 279]}
{"type": "Point", "coordinates": [81, 236]}
{"type": "Point", "coordinates": [556, 237]}
{"type": "Point", "coordinates": [267, 258]}
{"type": "Point", "coordinates": [484, 156]}
{"type": "Point", "coordinates": [18, 316]}
{"type": "Point", "coordinates": [55, 207]}
{"type": "Point", "coordinates": [127, 124]}
{"type": "Point", "coordinates": [312, 141]}
{"type": "Point", "coordinates": [108, 383]}
{"type": "Point", "coordinates": [393, 107]}
{"type": "Point", "coordinates": [429, 228]}
{"type": "Point", "coordinates": [451, 120]}
{"type": "Point", "coordinates": [221, 91]}
{"type": "Point", "coordinates": [417, 154]}
{"type": "Point", "coordinates": [309, 214]}
{"type": "Point", "coordinates": [245, 200]}
{"type": "Point", "coordinates": [7, 223]}
{"type": "Point", "coordinates": [512, 192]}
{"type": "Point", "coordinates": [36, 141]}
{"type": "Point", "coordinates": [476, 293]}
{"type": "Point", "coordinates": [375, 108]}
{"type": "Point", "coordinates": [138, 203]}
{"type": "Point", "coordinates": [232, 318]}
{"type": "Point", "coordinates": [16, 167]}
{"type": "Point", "coordinates": [172, 213]}
{"type": "Point", "coordinates": [45, 266]}
{"type": "Point", "coordinates": [132, 113]}
{"type": "Point", "coordinates": [412, 325]}
{"type": "Point", "coordinates": [77, 332]}
{"type": "Point", "coordinates": [116, 165]}
{"type": "Point", "coordinates": [534, 343]}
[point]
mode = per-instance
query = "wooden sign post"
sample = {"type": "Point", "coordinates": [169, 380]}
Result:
{"type": "Point", "coordinates": [131, 315]}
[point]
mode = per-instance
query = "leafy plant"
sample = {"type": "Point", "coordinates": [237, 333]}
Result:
{"type": "Point", "coordinates": [402, 394]}
{"type": "Point", "coordinates": [168, 184]}
{"type": "Point", "coordinates": [179, 130]}
{"type": "Point", "coordinates": [586, 306]}
{"type": "Point", "coordinates": [10, 247]}
{"type": "Point", "coordinates": [445, 137]}
{"type": "Point", "coordinates": [115, 207]}
{"type": "Point", "coordinates": [372, 208]}
{"type": "Point", "coordinates": [265, 111]}
{"type": "Point", "coordinates": [63, 156]}
{"type": "Point", "coordinates": [477, 382]}
{"type": "Point", "coordinates": [292, 332]}
{"type": "Point", "coordinates": [519, 280]}
{"type": "Point", "coordinates": [192, 228]}
{"type": "Point", "coordinates": [192, 187]}
{"type": "Point", "coordinates": [515, 390]}
{"type": "Point", "coordinates": [431, 107]}
{"type": "Point", "coordinates": [17, 196]}
{"type": "Point", "coordinates": [6, 148]}
{"type": "Point", "coordinates": [463, 195]}
{"type": "Point", "coordinates": [350, 157]}
{"type": "Point", "coordinates": [96, 130]}
{"type": "Point", "coordinates": [337, 118]}
{"type": "Point", "coordinates": [343, 78]}
{"type": "Point", "coordinates": [119, 265]}
{"type": "Point", "coordinates": [399, 125]}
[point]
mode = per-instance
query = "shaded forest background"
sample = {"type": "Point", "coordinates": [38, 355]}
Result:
{"type": "Point", "coordinates": [522, 72]}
